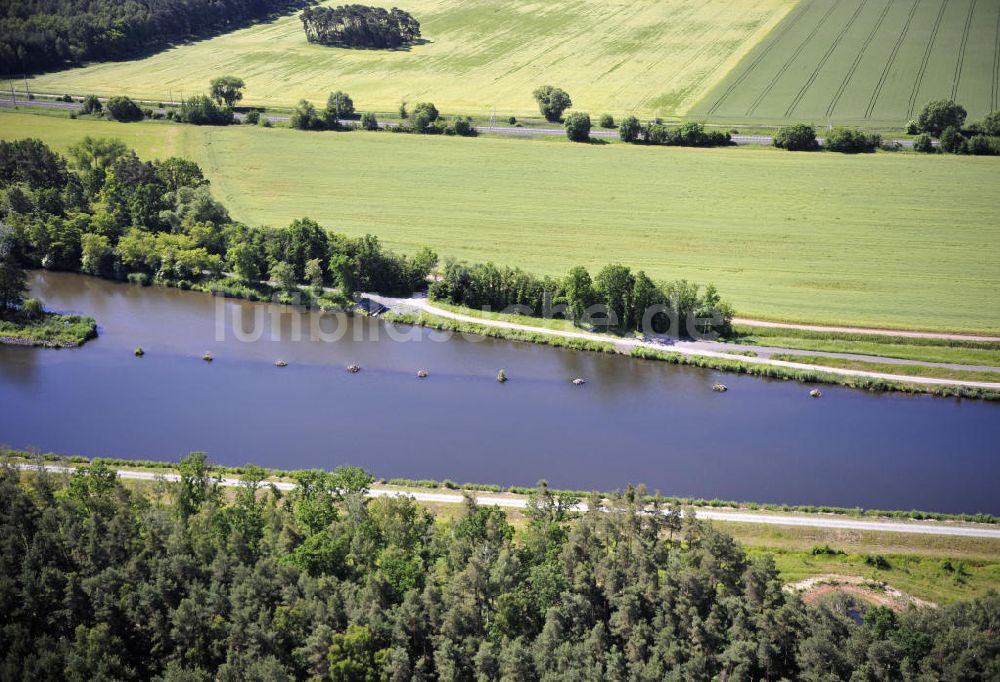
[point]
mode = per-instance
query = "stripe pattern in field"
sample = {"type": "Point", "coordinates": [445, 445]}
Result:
{"type": "Point", "coordinates": [865, 62]}
{"type": "Point", "coordinates": [650, 57]}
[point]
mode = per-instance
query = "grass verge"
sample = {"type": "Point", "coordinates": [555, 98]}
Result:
{"type": "Point", "coordinates": [893, 368]}
{"type": "Point", "coordinates": [815, 376]}
{"type": "Point", "coordinates": [903, 348]}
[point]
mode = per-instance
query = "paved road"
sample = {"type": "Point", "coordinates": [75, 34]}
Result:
{"type": "Point", "coordinates": [512, 502]}
{"type": "Point", "coordinates": [690, 348]}
{"type": "Point", "coordinates": [511, 131]}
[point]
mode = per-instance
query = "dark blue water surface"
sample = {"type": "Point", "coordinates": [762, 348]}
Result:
{"type": "Point", "coordinates": [634, 421]}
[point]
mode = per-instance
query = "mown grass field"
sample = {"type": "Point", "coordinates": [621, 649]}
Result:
{"type": "Point", "coordinates": [867, 62]}
{"type": "Point", "coordinates": [899, 240]}
{"type": "Point", "coordinates": [917, 561]}
{"type": "Point", "coordinates": [656, 57]}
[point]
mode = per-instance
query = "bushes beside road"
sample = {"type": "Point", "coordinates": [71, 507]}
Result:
{"type": "Point", "coordinates": [685, 135]}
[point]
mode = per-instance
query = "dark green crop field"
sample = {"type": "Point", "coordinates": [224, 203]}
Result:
{"type": "Point", "coordinates": [865, 62]}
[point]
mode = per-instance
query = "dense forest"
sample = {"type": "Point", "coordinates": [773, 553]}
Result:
{"type": "Point", "coordinates": [360, 26]}
{"type": "Point", "coordinates": [44, 34]}
{"type": "Point", "coordinates": [185, 581]}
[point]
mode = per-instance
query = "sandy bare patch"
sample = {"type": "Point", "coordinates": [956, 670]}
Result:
{"type": "Point", "coordinates": [873, 592]}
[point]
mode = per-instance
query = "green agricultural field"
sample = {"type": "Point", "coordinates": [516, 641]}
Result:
{"type": "Point", "coordinates": [654, 57]}
{"type": "Point", "coordinates": [899, 240]}
{"type": "Point", "coordinates": [865, 62]}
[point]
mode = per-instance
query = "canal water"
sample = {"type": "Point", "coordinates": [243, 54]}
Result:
{"type": "Point", "coordinates": [633, 421]}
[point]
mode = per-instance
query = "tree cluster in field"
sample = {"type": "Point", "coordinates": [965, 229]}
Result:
{"type": "Point", "coordinates": [616, 298]}
{"type": "Point", "coordinates": [801, 137]}
{"type": "Point", "coordinates": [945, 120]}
{"type": "Point", "coordinates": [106, 212]}
{"type": "Point", "coordinates": [360, 26]}
{"type": "Point", "coordinates": [45, 34]}
{"type": "Point", "coordinates": [181, 582]}
{"type": "Point", "coordinates": [424, 119]}
{"type": "Point", "coordinates": [553, 102]}
{"type": "Point", "coordinates": [689, 134]}
{"type": "Point", "coordinates": [216, 108]}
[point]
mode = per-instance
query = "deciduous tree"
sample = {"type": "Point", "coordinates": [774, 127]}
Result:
{"type": "Point", "coordinates": [227, 90]}
{"type": "Point", "coordinates": [552, 102]}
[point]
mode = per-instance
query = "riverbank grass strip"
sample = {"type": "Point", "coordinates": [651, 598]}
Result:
{"type": "Point", "coordinates": [815, 376]}
{"type": "Point", "coordinates": [446, 324]}
{"type": "Point", "coordinates": [953, 351]}
{"type": "Point", "coordinates": [722, 364]}
{"type": "Point", "coordinates": [892, 368]}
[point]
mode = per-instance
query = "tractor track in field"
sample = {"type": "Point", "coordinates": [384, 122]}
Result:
{"type": "Point", "coordinates": [706, 50]}
{"type": "Point", "coordinates": [892, 60]}
{"type": "Point", "coordinates": [857, 61]}
{"type": "Point", "coordinates": [784, 67]}
{"type": "Point", "coordinates": [961, 51]}
{"type": "Point", "coordinates": [925, 60]}
{"type": "Point", "coordinates": [826, 56]}
{"type": "Point", "coordinates": [753, 65]}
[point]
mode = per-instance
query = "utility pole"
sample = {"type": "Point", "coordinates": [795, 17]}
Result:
{"type": "Point", "coordinates": [26, 91]}
{"type": "Point", "coordinates": [12, 95]}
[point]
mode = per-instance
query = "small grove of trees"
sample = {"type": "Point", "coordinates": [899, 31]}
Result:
{"type": "Point", "coordinates": [851, 141]}
{"type": "Point", "coordinates": [423, 116]}
{"type": "Point", "coordinates": [802, 137]}
{"type": "Point", "coordinates": [123, 109]}
{"type": "Point", "coordinates": [91, 105]}
{"type": "Point", "coordinates": [799, 137]}
{"type": "Point", "coordinates": [110, 214]}
{"type": "Point", "coordinates": [940, 114]}
{"type": "Point", "coordinates": [945, 119]}
{"type": "Point", "coordinates": [688, 134]}
{"type": "Point", "coordinates": [552, 102]}
{"type": "Point", "coordinates": [616, 298]}
{"type": "Point", "coordinates": [578, 126]}
{"type": "Point", "coordinates": [360, 26]}
{"type": "Point", "coordinates": [216, 108]}
{"type": "Point", "coordinates": [424, 119]}
{"type": "Point", "coordinates": [203, 110]}
{"type": "Point", "coordinates": [305, 117]}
